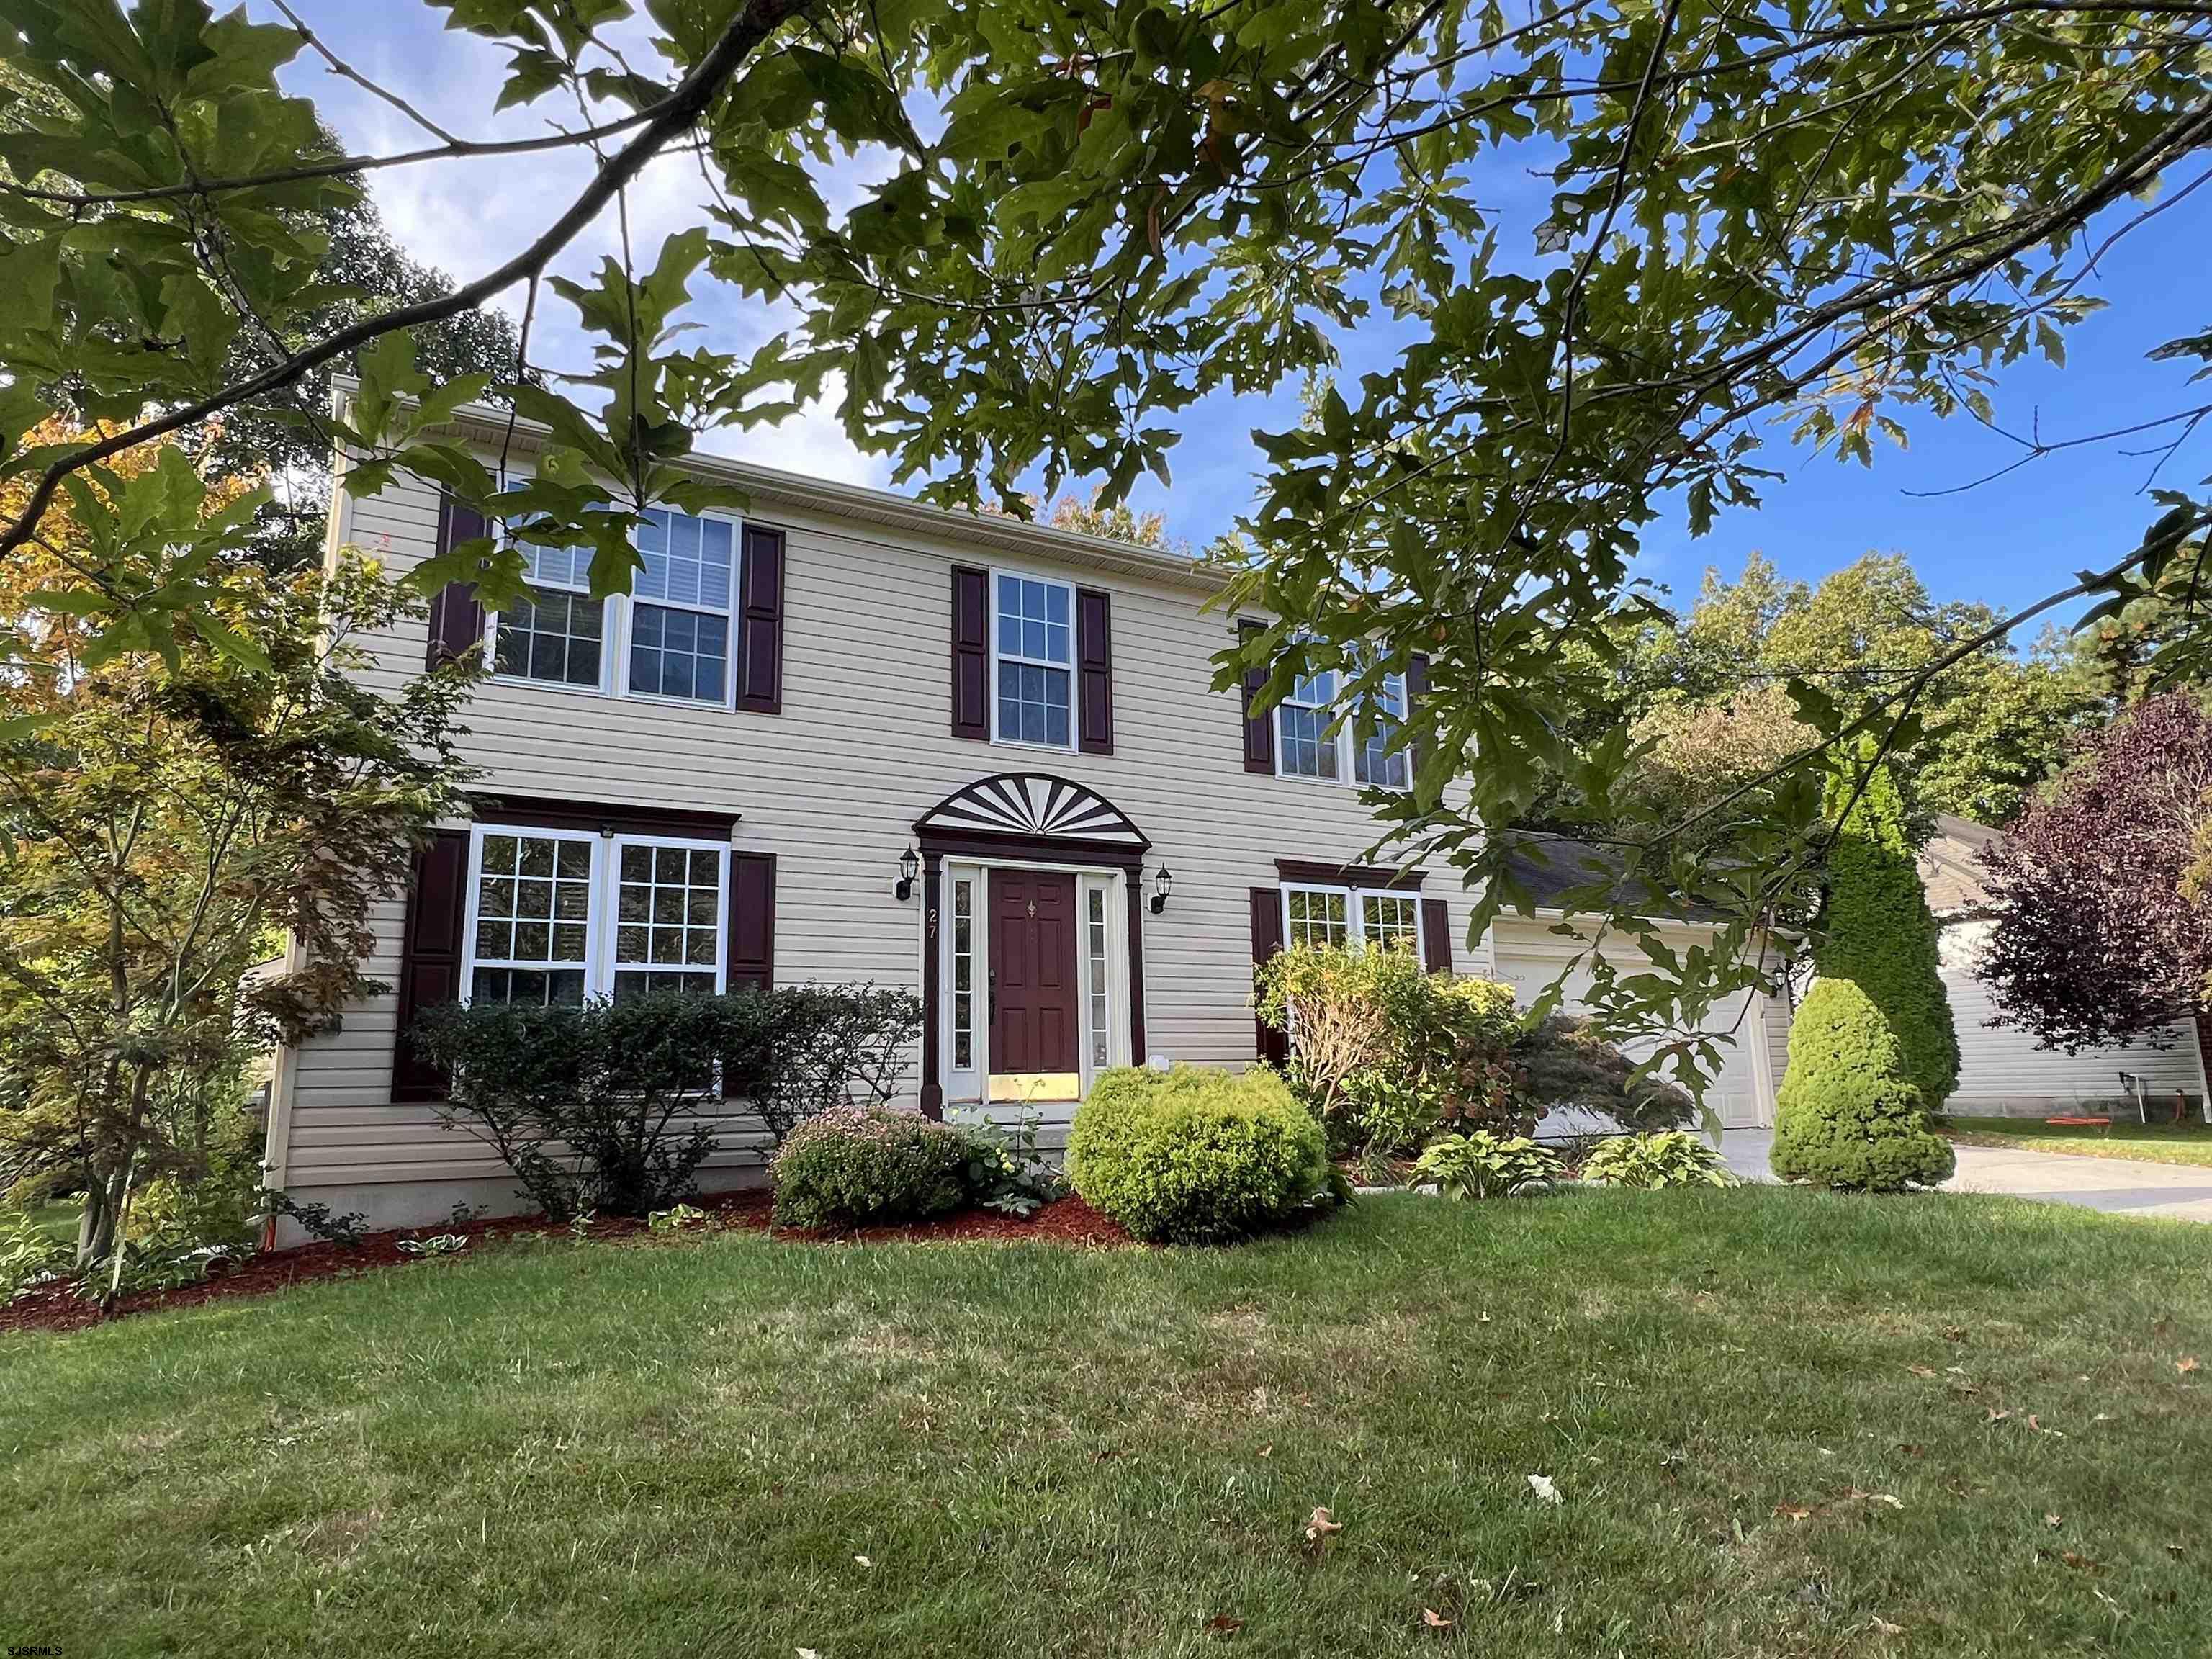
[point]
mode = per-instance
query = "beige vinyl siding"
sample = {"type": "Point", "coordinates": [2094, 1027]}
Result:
{"type": "Point", "coordinates": [2002, 1070]}
{"type": "Point", "coordinates": [831, 787]}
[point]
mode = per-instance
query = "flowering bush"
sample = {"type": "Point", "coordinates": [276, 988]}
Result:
{"type": "Point", "coordinates": [854, 1166]}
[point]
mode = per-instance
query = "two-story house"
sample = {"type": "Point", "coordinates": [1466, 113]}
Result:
{"type": "Point", "coordinates": [846, 737]}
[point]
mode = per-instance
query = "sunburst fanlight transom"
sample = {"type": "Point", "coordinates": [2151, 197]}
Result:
{"type": "Point", "coordinates": [1032, 803]}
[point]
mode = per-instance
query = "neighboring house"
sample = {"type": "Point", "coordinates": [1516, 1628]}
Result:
{"type": "Point", "coordinates": [717, 778]}
{"type": "Point", "coordinates": [2002, 1072]}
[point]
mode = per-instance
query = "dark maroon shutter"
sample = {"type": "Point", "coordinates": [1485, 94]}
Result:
{"type": "Point", "coordinates": [1417, 688]}
{"type": "Point", "coordinates": [1436, 936]}
{"type": "Point", "coordinates": [1094, 656]}
{"type": "Point", "coordinates": [1271, 1041]}
{"type": "Point", "coordinates": [1258, 723]}
{"type": "Point", "coordinates": [457, 621]}
{"type": "Point", "coordinates": [971, 653]}
{"type": "Point", "coordinates": [760, 622]}
{"type": "Point", "coordinates": [748, 944]}
{"type": "Point", "coordinates": [429, 956]}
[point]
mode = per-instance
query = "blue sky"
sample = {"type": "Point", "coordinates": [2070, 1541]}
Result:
{"type": "Point", "coordinates": [2006, 544]}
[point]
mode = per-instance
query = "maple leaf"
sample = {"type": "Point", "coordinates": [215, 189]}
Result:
{"type": "Point", "coordinates": [1320, 1526]}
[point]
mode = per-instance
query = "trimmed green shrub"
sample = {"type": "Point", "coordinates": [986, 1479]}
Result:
{"type": "Point", "coordinates": [856, 1166]}
{"type": "Point", "coordinates": [1877, 932]}
{"type": "Point", "coordinates": [1850, 1114]}
{"type": "Point", "coordinates": [1675, 1158]}
{"type": "Point", "coordinates": [1195, 1156]}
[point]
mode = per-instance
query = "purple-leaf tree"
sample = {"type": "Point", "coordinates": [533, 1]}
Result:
{"type": "Point", "coordinates": [2104, 921]}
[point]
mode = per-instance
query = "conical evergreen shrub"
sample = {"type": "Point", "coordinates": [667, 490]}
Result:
{"type": "Point", "coordinates": [1850, 1114]}
{"type": "Point", "coordinates": [1880, 937]}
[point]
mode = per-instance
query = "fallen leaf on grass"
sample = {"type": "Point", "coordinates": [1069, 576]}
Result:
{"type": "Point", "coordinates": [1320, 1526]}
{"type": "Point", "coordinates": [2053, 1520]}
{"type": "Point", "coordinates": [1267, 1449]}
{"type": "Point", "coordinates": [1888, 1498]}
{"type": "Point", "coordinates": [2186, 1364]}
{"type": "Point", "coordinates": [1923, 1371]}
{"type": "Point", "coordinates": [1434, 1620]}
{"type": "Point", "coordinates": [2039, 1429]}
{"type": "Point", "coordinates": [808, 1653]}
{"type": "Point", "coordinates": [1882, 1627]}
{"type": "Point", "coordinates": [1995, 1416]}
{"type": "Point", "coordinates": [862, 1560]}
{"type": "Point", "coordinates": [1793, 1511]}
{"type": "Point", "coordinates": [1544, 1491]}
{"type": "Point", "coordinates": [1223, 1625]}
{"type": "Point", "coordinates": [2072, 1559]}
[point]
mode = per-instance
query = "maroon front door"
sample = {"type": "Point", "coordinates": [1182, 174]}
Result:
{"type": "Point", "coordinates": [1032, 972]}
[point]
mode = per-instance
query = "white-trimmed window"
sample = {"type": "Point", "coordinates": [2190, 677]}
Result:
{"type": "Point", "coordinates": [557, 915]}
{"type": "Point", "coordinates": [963, 973]}
{"type": "Point", "coordinates": [558, 636]}
{"type": "Point", "coordinates": [1100, 1023]}
{"type": "Point", "coordinates": [670, 637]}
{"type": "Point", "coordinates": [1353, 917]}
{"type": "Point", "coordinates": [680, 624]}
{"type": "Point", "coordinates": [1305, 747]}
{"type": "Point", "coordinates": [1032, 660]}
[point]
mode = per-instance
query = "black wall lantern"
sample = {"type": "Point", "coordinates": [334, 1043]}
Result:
{"type": "Point", "coordinates": [1163, 885]}
{"type": "Point", "coordinates": [909, 866]}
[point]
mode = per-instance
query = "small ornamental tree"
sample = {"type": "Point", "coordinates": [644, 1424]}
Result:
{"type": "Point", "coordinates": [2103, 904]}
{"type": "Point", "coordinates": [1877, 933]}
{"type": "Point", "coordinates": [1871, 1050]}
{"type": "Point", "coordinates": [1849, 1114]}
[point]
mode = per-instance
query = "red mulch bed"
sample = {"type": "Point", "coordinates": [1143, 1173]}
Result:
{"type": "Point", "coordinates": [1067, 1221]}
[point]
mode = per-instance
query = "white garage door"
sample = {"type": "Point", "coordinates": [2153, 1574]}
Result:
{"type": "Point", "coordinates": [1529, 957]}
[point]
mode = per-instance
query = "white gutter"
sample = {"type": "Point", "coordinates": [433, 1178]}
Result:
{"type": "Point", "coordinates": [771, 486]}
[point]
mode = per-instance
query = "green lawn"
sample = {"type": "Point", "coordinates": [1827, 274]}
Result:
{"type": "Point", "coordinates": [690, 1447]}
{"type": "Point", "coordinates": [2154, 1143]}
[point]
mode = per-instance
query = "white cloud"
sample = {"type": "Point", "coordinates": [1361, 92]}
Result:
{"type": "Point", "coordinates": [812, 441]}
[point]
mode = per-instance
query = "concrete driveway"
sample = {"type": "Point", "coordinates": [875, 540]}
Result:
{"type": "Point", "coordinates": [2118, 1186]}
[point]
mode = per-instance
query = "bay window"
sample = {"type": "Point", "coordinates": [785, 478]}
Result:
{"type": "Point", "coordinates": [556, 916]}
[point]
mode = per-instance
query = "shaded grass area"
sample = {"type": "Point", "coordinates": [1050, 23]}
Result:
{"type": "Point", "coordinates": [689, 1446]}
{"type": "Point", "coordinates": [2152, 1143]}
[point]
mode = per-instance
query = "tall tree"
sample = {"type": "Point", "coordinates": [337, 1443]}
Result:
{"type": "Point", "coordinates": [1085, 219]}
{"type": "Point", "coordinates": [2103, 891]}
{"type": "Point", "coordinates": [177, 805]}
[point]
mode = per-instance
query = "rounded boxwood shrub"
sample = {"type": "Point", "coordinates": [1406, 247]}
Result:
{"type": "Point", "coordinates": [1195, 1156]}
{"type": "Point", "coordinates": [1849, 1114]}
{"type": "Point", "coordinates": [856, 1166]}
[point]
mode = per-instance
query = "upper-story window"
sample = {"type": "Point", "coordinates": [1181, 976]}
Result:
{"type": "Point", "coordinates": [670, 636]}
{"type": "Point", "coordinates": [1306, 748]}
{"type": "Point", "coordinates": [1033, 661]}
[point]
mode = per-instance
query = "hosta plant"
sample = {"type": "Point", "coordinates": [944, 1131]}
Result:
{"type": "Point", "coordinates": [1676, 1158]}
{"type": "Point", "coordinates": [1484, 1166]}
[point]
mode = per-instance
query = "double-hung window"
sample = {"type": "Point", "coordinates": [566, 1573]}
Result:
{"type": "Point", "coordinates": [679, 627]}
{"type": "Point", "coordinates": [1033, 641]}
{"type": "Point", "coordinates": [558, 915]}
{"type": "Point", "coordinates": [1353, 917]}
{"type": "Point", "coordinates": [669, 637]}
{"type": "Point", "coordinates": [1367, 746]}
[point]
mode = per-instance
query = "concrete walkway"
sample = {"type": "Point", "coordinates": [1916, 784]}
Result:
{"type": "Point", "coordinates": [2118, 1185]}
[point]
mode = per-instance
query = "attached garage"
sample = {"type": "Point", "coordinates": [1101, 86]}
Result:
{"type": "Point", "coordinates": [1529, 957]}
